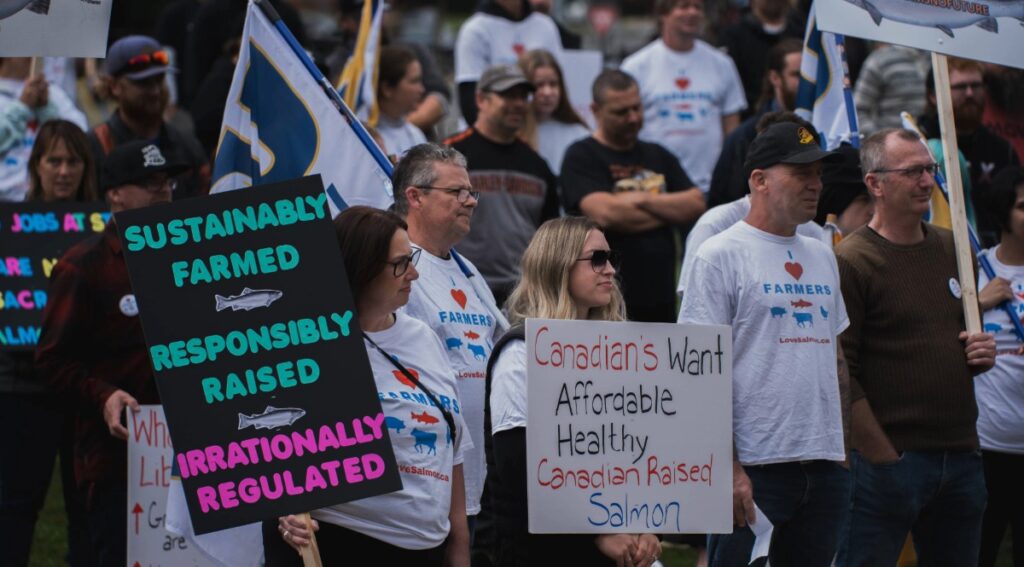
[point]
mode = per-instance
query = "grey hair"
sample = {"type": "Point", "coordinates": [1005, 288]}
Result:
{"type": "Point", "coordinates": [416, 169]}
{"type": "Point", "coordinates": [873, 150]}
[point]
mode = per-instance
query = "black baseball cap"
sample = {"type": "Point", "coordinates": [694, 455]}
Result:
{"type": "Point", "coordinates": [785, 142]}
{"type": "Point", "coordinates": [136, 161]}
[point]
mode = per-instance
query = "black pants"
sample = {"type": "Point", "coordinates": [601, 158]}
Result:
{"type": "Point", "coordinates": [1003, 475]}
{"type": "Point", "coordinates": [339, 545]}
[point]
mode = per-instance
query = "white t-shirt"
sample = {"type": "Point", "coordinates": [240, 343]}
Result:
{"type": "Point", "coordinates": [508, 388]}
{"type": "Point", "coordinates": [399, 135]}
{"type": "Point", "coordinates": [782, 297]}
{"type": "Point", "coordinates": [486, 40]}
{"type": "Point", "coordinates": [722, 217]}
{"type": "Point", "coordinates": [415, 517]}
{"type": "Point", "coordinates": [449, 304]}
{"type": "Point", "coordinates": [685, 95]}
{"type": "Point", "coordinates": [1000, 391]}
{"type": "Point", "coordinates": [553, 137]}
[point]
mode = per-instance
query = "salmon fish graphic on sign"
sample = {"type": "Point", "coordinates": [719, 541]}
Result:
{"type": "Point", "coordinates": [248, 300]}
{"type": "Point", "coordinates": [944, 16]}
{"type": "Point", "coordinates": [271, 418]}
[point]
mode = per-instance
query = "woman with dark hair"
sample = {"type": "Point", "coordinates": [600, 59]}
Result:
{"type": "Point", "coordinates": [568, 272]}
{"type": "Point", "coordinates": [1000, 391]}
{"type": "Point", "coordinates": [61, 166]}
{"type": "Point", "coordinates": [399, 91]}
{"type": "Point", "coordinates": [424, 523]}
{"type": "Point", "coordinates": [552, 125]}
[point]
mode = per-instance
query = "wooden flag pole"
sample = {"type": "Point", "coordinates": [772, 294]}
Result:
{"type": "Point", "coordinates": [954, 185]}
{"type": "Point", "coordinates": [311, 552]}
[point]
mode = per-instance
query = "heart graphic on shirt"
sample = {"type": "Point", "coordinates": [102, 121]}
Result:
{"type": "Point", "coordinates": [519, 49]}
{"type": "Point", "coordinates": [682, 83]}
{"type": "Point", "coordinates": [401, 377]}
{"type": "Point", "coordinates": [460, 297]}
{"type": "Point", "coordinates": [794, 269]}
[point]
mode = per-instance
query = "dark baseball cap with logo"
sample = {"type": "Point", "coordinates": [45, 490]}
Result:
{"type": "Point", "coordinates": [501, 78]}
{"type": "Point", "coordinates": [137, 57]}
{"type": "Point", "coordinates": [785, 142]}
{"type": "Point", "coordinates": [137, 161]}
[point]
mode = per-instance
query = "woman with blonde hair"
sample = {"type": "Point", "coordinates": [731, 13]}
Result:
{"type": "Point", "coordinates": [552, 124]}
{"type": "Point", "coordinates": [568, 272]}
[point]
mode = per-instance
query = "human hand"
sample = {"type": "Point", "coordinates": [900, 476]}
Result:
{"type": "Point", "coordinates": [296, 532]}
{"type": "Point", "coordinates": [648, 549]}
{"type": "Point", "coordinates": [742, 496]}
{"type": "Point", "coordinates": [112, 410]}
{"type": "Point", "coordinates": [619, 547]}
{"type": "Point", "coordinates": [995, 292]}
{"type": "Point", "coordinates": [980, 349]}
{"type": "Point", "coordinates": [36, 92]}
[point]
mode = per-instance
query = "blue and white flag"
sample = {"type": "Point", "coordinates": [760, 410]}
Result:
{"type": "Point", "coordinates": [359, 77]}
{"type": "Point", "coordinates": [824, 96]}
{"type": "Point", "coordinates": [284, 120]}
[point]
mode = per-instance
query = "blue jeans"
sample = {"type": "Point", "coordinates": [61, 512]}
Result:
{"type": "Point", "coordinates": [805, 502]}
{"type": "Point", "coordinates": [939, 497]}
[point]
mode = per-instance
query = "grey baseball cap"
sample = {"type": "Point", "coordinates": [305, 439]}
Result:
{"type": "Point", "coordinates": [501, 78]}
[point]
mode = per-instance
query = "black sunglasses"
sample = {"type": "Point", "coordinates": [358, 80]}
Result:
{"type": "Point", "coordinates": [600, 258]}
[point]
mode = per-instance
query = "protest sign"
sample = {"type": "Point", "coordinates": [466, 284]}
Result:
{"type": "Point", "coordinates": [579, 69]}
{"type": "Point", "coordinates": [33, 236]}
{"type": "Point", "coordinates": [986, 30]}
{"type": "Point", "coordinates": [149, 473]}
{"type": "Point", "coordinates": [69, 28]}
{"type": "Point", "coordinates": [257, 354]}
{"type": "Point", "coordinates": [629, 427]}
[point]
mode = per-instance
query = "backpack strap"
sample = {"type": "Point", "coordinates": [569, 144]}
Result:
{"type": "Point", "coordinates": [105, 137]}
{"type": "Point", "coordinates": [517, 332]}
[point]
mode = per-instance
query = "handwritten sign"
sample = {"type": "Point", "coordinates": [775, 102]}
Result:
{"type": "Point", "coordinates": [33, 236]}
{"type": "Point", "coordinates": [149, 473]}
{"type": "Point", "coordinates": [629, 427]}
{"type": "Point", "coordinates": [257, 354]}
{"type": "Point", "coordinates": [73, 29]}
{"type": "Point", "coordinates": [985, 30]}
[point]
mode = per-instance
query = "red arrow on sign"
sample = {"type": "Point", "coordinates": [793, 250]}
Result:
{"type": "Point", "coordinates": [137, 510]}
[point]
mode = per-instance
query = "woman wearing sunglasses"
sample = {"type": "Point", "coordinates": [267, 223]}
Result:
{"type": "Point", "coordinates": [568, 273]}
{"type": "Point", "coordinates": [423, 524]}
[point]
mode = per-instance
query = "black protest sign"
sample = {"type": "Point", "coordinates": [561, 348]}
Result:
{"type": "Point", "coordinates": [257, 354]}
{"type": "Point", "coordinates": [33, 236]}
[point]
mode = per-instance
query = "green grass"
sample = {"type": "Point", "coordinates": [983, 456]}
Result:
{"type": "Point", "coordinates": [49, 546]}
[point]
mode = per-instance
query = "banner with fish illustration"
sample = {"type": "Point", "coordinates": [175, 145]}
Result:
{"type": "Point", "coordinates": [68, 28]}
{"type": "Point", "coordinates": [257, 354]}
{"type": "Point", "coordinates": [985, 30]}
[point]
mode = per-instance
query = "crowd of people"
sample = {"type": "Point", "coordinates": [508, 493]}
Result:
{"type": "Point", "coordinates": [863, 410]}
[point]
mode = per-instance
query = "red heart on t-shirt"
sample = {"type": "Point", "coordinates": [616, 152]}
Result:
{"type": "Point", "coordinates": [460, 297]}
{"type": "Point", "coordinates": [405, 379]}
{"type": "Point", "coordinates": [794, 269]}
{"type": "Point", "coordinates": [519, 49]}
{"type": "Point", "coordinates": [682, 83]}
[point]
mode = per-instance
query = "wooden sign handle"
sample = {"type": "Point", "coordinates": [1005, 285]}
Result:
{"type": "Point", "coordinates": [35, 66]}
{"type": "Point", "coordinates": [954, 185]}
{"type": "Point", "coordinates": [310, 553]}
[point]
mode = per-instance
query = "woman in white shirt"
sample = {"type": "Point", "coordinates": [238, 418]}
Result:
{"type": "Point", "coordinates": [399, 91]}
{"type": "Point", "coordinates": [553, 125]}
{"type": "Point", "coordinates": [425, 522]}
{"type": "Point", "coordinates": [568, 273]}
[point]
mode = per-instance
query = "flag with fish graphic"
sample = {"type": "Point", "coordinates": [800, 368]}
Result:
{"type": "Point", "coordinates": [984, 30]}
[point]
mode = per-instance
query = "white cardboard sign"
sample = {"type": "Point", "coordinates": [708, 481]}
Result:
{"type": "Point", "coordinates": [985, 30]}
{"type": "Point", "coordinates": [68, 28]}
{"type": "Point", "coordinates": [149, 475]}
{"type": "Point", "coordinates": [629, 427]}
{"type": "Point", "coordinates": [579, 69]}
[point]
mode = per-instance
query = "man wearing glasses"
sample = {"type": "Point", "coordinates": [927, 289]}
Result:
{"type": "Point", "coordinates": [779, 291]}
{"type": "Point", "coordinates": [914, 461]}
{"type": "Point", "coordinates": [519, 191]}
{"type": "Point", "coordinates": [136, 68]}
{"type": "Point", "coordinates": [91, 346]}
{"type": "Point", "coordinates": [434, 195]}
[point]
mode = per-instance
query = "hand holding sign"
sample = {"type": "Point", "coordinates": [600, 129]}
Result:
{"type": "Point", "coordinates": [113, 409]}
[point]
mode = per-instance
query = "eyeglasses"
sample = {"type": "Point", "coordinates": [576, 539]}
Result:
{"type": "Point", "coordinates": [600, 258]}
{"type": "Point", "coordinates": [962, 87]}
{"type": "Point", "coordinates": [153, 185]}
{"type": "Point", "coordinates": [401, 265]}
{"type": "Point", "coordinates": [914, 172]}
{"type": "Point", "coordinates": [462, 194]}
{"type": "Point", "coordinates": [143, 60]}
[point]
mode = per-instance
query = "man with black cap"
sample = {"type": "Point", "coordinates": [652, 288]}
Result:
{"type": "Point", "coordinates": [91, 345]}
{"type": "Point", "coordinates": [135, 70]}
{"type": "Point", "coordinates": [780, 293]}
{"type": "Point", "coordinates": [518, 190]}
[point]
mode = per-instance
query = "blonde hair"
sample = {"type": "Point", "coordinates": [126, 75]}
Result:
{"type": "Point", "coordinates": [543, 289]}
